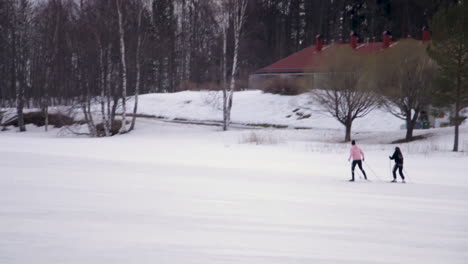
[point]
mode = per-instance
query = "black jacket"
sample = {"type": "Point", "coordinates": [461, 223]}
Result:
{"type": "Point", "coordinates": [398, 157]}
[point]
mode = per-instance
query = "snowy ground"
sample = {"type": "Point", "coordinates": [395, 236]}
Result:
{"type": "Point", "coordinates": [172, 193]}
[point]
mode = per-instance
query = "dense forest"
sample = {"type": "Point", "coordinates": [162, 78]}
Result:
{"type": "Point", "coordinates": [180, 40]}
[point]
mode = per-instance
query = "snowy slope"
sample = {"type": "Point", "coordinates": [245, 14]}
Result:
{"type": "Point", "coordinates": [257, 107]}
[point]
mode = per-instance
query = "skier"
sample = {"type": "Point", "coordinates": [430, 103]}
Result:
{"type": "Point", "coordinates": [358, 156]}
{"type": "Point", "coordinates": [398, 157]}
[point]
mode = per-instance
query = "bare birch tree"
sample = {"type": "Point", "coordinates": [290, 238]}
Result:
{"type": "Point", "coordinates": [21, 68]}
{"type": "Point", "coordinates": [102, 84]}
{"type": "Point", "coordinates": [140, 39]}
{"type": "Point", "coordinates": [56, 8]}
{"type": "Point", "coordinates": [224, 21]}
{"type": "Point", "coordinates": [123, 128]}
{"type": "Point", "coordinates": [235, 11]}
{"type": "Point", "coordinates": [344, 90]}
{"type": "Point", "coordinates": [103, 33]}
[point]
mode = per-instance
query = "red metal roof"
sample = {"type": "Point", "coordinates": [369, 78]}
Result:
{"type": "Point", "coordinates": [308, 59]}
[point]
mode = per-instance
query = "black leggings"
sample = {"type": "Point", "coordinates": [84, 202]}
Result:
{"type": "Point", "coordinates": [359, 163]}
{"type": "Point", "coordinates": [398, 167]}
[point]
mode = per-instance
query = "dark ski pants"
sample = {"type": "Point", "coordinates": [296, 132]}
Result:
{"type": "Point", "coordinates": [398, 167]}
{"type": "Point", "coordinates": [359, 163]}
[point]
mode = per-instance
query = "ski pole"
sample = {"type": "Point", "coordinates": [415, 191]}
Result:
{"type": "Point", "coordinates": [407, 175]}
{"type": "Point", "coordinates": [390, 168]}
{"type": "Point", "coordinates": [373, 172]}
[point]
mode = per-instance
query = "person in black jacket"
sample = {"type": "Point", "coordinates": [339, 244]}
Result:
{"type": "Point", "coordinates": [398, 157]}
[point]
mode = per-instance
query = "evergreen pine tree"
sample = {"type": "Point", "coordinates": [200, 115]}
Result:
{"type": "Point", "coordinates": [449, 48]}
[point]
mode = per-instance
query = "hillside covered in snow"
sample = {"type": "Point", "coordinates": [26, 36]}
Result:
{"type": "Point", "coordinates": [256, 107]}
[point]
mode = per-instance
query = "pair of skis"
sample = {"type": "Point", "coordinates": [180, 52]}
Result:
{"type": "Point", "coordinates": [367, 180]}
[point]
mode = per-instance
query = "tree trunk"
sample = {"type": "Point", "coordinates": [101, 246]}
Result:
{"type": "Point", "coordinates": [20, 105]}
{"type": "Point", "coordinates": [138, 70]}
{"type": "Point", "coordinates": [410, 124]}
{"type": "Point", "coordinates": [123, 128]}
{"type": "Point", "coordinates": [88, 116]}
{"type": "Point", "coordinates": [457, 113]}
{"type": "Point", "coordinates": [239, 18]}
{"type": "Point", "coordinates": [46, 113]}
{"type": "Point", "coordinates": [409, 127]}
{"type": "Point", "coordinates": [102, 84]}
{"type": "Point", "coordinates": [15, 80]}
{"type": "Point", "coordinates": [409, 131]}
{"type": "Point", "coordinates": [45, 99]}
{"type": "Point", "coordinates": [348, 131]}
{"type": "Point", "coordinates": [224, 73]}
{"type": "Point", "coordinates": [225, 112]}
{"type": "Point", "coordinates": [110, 114]}
{"type": "Point", "coordinates": [115, 103]}
{"type": "Point", "coordinates": [455, 142]}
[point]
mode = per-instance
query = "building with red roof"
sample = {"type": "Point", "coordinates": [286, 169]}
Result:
{"type": "Point", "coordinates": [308, 60]}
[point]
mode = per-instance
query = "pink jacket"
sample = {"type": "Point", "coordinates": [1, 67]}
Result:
{"type": "Point", "coordinates": [356, 153]}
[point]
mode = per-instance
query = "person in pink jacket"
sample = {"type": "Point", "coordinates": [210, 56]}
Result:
{"type": "Point", "coordinates": [358, 156]}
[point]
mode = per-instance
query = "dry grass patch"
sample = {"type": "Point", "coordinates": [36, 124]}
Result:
{"type": "Point", "coordinates": [260, 138]}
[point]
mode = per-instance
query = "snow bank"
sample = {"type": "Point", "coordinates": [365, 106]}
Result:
{"type": "Point", "coordinates": [256, 107]}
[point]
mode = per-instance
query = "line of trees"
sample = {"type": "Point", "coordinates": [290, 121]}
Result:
{"type": "Point", "coordinates": [99, 52]}
{"type": "Point", "coordinates": [184, 37]}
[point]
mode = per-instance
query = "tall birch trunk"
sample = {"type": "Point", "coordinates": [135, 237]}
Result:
{"type": "Point", "coordinates": [138, 69]}
{"type": "Point", "coordinates": [20, 105]}
{"type": "Point", "coordinates": [17, 63]}
{"type": "Point", "coordinates": [45, 98]}
{"type": "Point", "coordinates": [224, 71]}
{"type": "Point", "coordinates": [239, 9]}
{"type": "Point", "coordinates": [102, 83]}
{"type": "Point", "coordinates": [123, 128]}
{"type": "Point", "coordinates": [457, 114]}
{"type": "Point", "coordinates": [110, 117]}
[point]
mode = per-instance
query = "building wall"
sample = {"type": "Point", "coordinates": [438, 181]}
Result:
{"type": "Point", "coordinates": [265, 81]}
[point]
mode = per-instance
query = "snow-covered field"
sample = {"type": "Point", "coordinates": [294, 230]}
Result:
{"type": "Point", "coordinates": [177, 193]}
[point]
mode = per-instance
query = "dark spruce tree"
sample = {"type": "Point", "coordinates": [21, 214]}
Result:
{"type": "Point", "coordinates": [449, 48]}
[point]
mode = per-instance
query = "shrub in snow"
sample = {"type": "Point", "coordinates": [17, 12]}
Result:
{"type": "Point", "coordinates": [116, 125]}
{"type": "Point", "coordinates": [260, 138]}
{"type": "Point", "coordinates": [285, 86]}
{"type": "Point", "coordinates": [57, 120]}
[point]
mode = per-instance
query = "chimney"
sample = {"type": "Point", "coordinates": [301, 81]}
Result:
{"type": "Point", "coordinates": [387, 39]}
{"type": "Point", "coordinates": [426, 35]}
{"type": "Point", "coordinates": [318, 43]}
{"type": "Point", "coordinates": [353, 39]}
